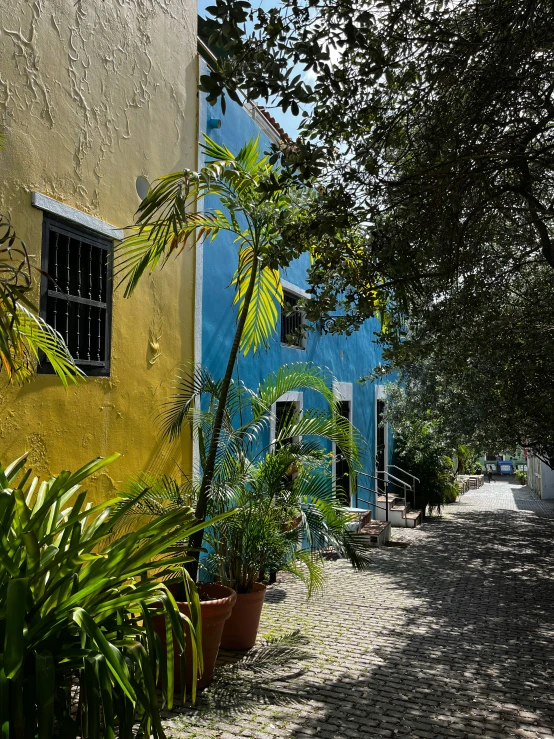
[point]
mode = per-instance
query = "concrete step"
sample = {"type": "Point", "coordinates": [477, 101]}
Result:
{"type": "Point", "coordinates": [413, 519]}
{"type": "Point", "coordinates": [378, 532]}
{"type": "Point", "coordinates": [360, 517]}
{"type": "Point", "coordinates": [400, 515]}
{"type": "Point", "coordinates": [393, 500]}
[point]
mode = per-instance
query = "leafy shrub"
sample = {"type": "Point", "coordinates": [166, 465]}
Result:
{"type": "Point", "coordinates": [78, 652]}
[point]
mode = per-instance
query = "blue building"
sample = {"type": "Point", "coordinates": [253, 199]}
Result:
{"type": "Point", "coordinates": [347, 358]}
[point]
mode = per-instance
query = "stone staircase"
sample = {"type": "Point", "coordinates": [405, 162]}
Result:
{"type": "Point", "coordinates": [363, 523]}
{"type": "Point", "coordinates": [392, 508]}
{"type": "Point", "coordinates": [400, 512]}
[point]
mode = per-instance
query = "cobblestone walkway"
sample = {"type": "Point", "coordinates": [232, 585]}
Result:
{"type": "Point", "coordinates": [449, 637]}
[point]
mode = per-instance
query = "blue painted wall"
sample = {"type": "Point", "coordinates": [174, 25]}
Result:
{"type": "Point", "coordinates": [347, 358]}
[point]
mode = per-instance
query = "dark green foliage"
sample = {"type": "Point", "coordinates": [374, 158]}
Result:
{"type": "Point", "coordinates": [286, 507]}
{"type": "Point", "coordinates": [78, 657]}
{"type": "Point", "coordinates": [479, 364]}
{"type": "Point", "coordinates": [428, 130]}
{"type": "Point", "coordinates": [421, 449]}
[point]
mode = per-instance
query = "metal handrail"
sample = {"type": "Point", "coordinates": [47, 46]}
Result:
{"type": "Point", "coordinates": [375, 505]}
{"type": "Point", "coordinates": [397, 479]}
{"type": "Point", "coordinates": [409, 474]}
{"type": "Point", "coordinates": [369, 490]}
{"type": "Point", "coordinates": [386, 477]}
{"type": "Point", "coordinates": [365, 474]}
{"type": "Point", "coordinates": [398, 482]}
{"type": "Point", "coordinates": [396, 467]}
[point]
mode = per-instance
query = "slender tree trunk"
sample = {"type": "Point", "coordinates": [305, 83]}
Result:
{"type": "Point", "coordinates": [196, 539]}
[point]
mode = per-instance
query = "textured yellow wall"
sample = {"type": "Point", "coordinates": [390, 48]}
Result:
{"type": "Point", "coordinates": [94, 93]}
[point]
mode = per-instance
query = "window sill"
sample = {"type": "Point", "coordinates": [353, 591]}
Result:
{"type": "Point", "coordinates": [284, 345]}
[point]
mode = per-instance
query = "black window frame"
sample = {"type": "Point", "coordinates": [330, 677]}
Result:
{"type": "Point", "coordinates": [292, 299]}
{"type": "Point", "coordinates": [72, 230]}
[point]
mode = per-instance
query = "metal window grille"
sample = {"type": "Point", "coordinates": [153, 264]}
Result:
{"type": "Point", "coordinates": [76, 293]}
{"type": "Point", "coordinates": [292, 320]}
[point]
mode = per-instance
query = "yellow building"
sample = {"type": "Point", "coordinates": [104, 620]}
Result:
{"type": "Point", "coordinates": [97, 99]}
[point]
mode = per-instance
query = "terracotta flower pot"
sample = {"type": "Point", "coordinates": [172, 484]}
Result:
{"type": "Point", "coordinates": [216, 604]}
{"type": "Point", "coordinates": [241, 629]}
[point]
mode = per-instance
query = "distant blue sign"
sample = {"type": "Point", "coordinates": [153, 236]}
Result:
{"type": "Point", "coordinates": [506, 467]}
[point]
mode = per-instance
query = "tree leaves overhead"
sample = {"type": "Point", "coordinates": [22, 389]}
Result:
{"type": "Point", "coordinates": [480, 365]}
{"type": "Point", "coordinates": [429, 126]}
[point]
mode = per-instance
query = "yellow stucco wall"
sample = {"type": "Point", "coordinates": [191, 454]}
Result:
{"type": "Point", "coordinates": [93, 94]}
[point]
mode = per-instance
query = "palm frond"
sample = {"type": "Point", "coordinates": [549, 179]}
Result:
{"type": "Point", "coordinates": [168, 217]}
{"type": "Point", "coordinates": [23, 334]}
{"type": "Point", "coordinates": [28, 336]}
{"type": "Point", "coordinates": [308, 567]}
{"type": "Point", "coordinates": [291, 377]}
{"type": "Point", "coordinates": [326, 425]}
{"type": "Point", "coordinates": [262, 316]}
{"type": "Point", "coordinates": [148, 245]}
{"type": "Point", "coordinates": [192, 382]}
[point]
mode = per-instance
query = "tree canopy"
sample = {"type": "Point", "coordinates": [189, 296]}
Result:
{"type": "Point", "coordinates": [429, 126]}
{"type": "Point", "coordinates": [479, 364]}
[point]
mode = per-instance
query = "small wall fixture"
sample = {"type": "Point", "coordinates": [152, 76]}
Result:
{"type": "Point", "coordinates": [142, 186]}
{"type": "Point", "coordinates": [214, 122]}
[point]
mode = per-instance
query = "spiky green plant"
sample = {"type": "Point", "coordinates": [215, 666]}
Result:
{"type": "Point", "coordinates": [78, 654]}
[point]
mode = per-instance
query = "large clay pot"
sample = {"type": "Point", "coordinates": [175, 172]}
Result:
{"type": "Point", "coordinates": [216, 605]}
{"type": "Point", "coordinates": [241, 629]}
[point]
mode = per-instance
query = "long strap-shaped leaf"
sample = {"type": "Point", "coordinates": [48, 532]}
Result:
{"type": "Point", "coordinates": [14, 641]}
{"type": "Point", "coordinates": [4, 702]}
{"type": "Point", "coordinates": [46, 692]}
{"type": "Point", "coordinates": [113, 656]}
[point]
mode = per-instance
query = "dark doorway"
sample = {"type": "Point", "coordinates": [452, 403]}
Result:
{"type": "Point", "coordinates": [284, 412]}
{"type": "Point", "coordinates": [342, 471]}
{"type": "Point", "coordinates": [380, 461]}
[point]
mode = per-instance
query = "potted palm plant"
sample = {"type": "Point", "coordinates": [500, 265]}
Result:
{"type": "Point", "coordinates": [266, 535]}
{"type": "Point", "coordinates": [285, 505]}
{"type": "Point", "coordinates": [152, 497]}
{"type": "Point", "coordinates": [261, 539]}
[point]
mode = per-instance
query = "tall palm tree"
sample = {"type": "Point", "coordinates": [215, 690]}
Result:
{"type": "Point", "coordinates": [174, 214]}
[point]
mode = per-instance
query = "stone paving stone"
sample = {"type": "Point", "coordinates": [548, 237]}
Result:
{"type": "Point", "coordinates": [451, 637]}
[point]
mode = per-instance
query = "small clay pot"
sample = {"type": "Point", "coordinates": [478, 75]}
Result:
{"type": "Point", "coordinates": [241, 629]}
{"type": "Point", "coordinates": [216, 605]}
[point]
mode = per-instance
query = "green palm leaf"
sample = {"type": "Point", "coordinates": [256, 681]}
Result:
{"type": "Point", "coordinates": [262, 314]}
{"type": "Point", "coordinates": [38, 336]}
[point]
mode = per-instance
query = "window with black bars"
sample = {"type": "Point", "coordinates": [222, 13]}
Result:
{"type": "Point", "coordinates": [76, 293]}
{"type": "Point", "coordinates": [292, 320]}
